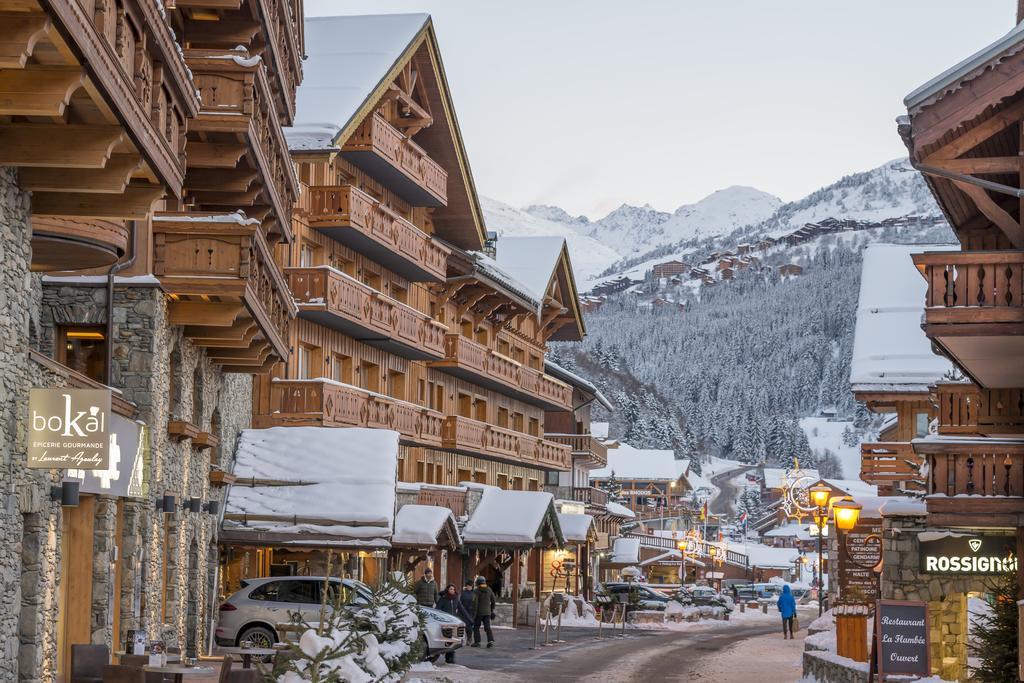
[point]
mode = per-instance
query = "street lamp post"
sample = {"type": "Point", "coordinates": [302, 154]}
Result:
{"type": "Point", "coordinates": [819, 494]}
{"type": "Point", "coordinates": [846, 512]}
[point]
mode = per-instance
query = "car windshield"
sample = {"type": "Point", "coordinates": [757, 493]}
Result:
{"type": "Point", "coordinates": [653, 592]}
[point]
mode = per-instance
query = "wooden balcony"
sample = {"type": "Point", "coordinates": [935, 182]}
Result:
{"type": "Point", "coordinates": [237, 154]}
{"type": "Point", "coordinates": [591, 495]}
{"type": "Point", "coordinates": [332, 298]}
{"type": "Point", "coordinates": [453, 499]}
{"type": "Point", "coordinates": [225, 287]}
{"type": "Point", "coordinates": [969, 409]}
{"type": "Point", "coordinates": [388, 155]}
{"type": "Point", "coordinates": [93, 104]}
{"type": "Point", "coordinates": [585, 447]}
{"type": "Point", "coordinates": [323, 403]}
{"type": "Point", "coordinates": [354, 218]}
{"type": "Point", "coordinates": [282, 32]}
{"type": "Point", "coordinates": [975, 312]}
{"type": "Point", "coordinates": [473, 437]}
{"type": "Point", "coordinates": [891, 466]}
{"type": "Point", "coordinates": [471, 360]}
{"type": "Point", "coordinates": [974, 481]}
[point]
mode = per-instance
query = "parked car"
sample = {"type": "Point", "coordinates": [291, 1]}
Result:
{"type": "Point", "coordinates": [253, 612]}
{"type": "Point", "coordinates": [645, 597]}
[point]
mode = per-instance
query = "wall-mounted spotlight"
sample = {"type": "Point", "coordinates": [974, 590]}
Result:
{"type": "Point", "coordinates": [67, 493]}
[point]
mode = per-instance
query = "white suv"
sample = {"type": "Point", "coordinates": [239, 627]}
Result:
{"type": "Point", "coordinates": [254, 612]}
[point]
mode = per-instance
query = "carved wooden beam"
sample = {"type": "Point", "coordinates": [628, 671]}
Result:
{"type": "Point", "coordinates": [981, 165]}
{"type": "Point", "coordinates": [112, 178]}
{"type": "Point", "coordinates": [39, 91]}
{"type": "Point", "coordinates": [135, 203]}
{"type": "Point", "coordinates": [57, 146]}
{"type": "Point", "coordinates": [470, 301]}
{"type": "Point", "coordinates": [219, 180]}
{"type": "Point", "coordinates": [975, 136]}
{"type": "Point", "coordinates": [1007, 223]}
{"type": "Point", "coordinates": [214, 154]}
{"type": "Point", "coordinates": [203, 313]}
{"type": "Point", "coordinates": [239, 335]}
{"type": "Point", "coordinates": [19, 33]}
{"type": "Point", "coordinates": [237, 31]}
{"type": "Point", "coordinates": [256, 355]}
{"type": "Point", "coordinates": [235, 199]}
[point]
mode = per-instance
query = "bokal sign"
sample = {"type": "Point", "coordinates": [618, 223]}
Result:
{"type": "Point", "coordinates": [948, 553]}
{"type": "Point", "coordinates": [69, 428]}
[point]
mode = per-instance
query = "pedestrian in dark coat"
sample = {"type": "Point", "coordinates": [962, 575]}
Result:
{"type": "Point", "coordinates": [483, 611]}
{"type": "Point", "coordinates": [450, 602]}
{"type": "Point", "coordinates": [466, 598]}
{"type": "Point", "coordinates": [787, 608]}
{"type": "Point", "coordinates": [425, 590]}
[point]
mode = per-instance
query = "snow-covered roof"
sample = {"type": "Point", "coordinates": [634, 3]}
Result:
{"type": "Point", "coordinates": [489, 269]}
{"type": "Point", "coordinates": [569, 377]}
{"type": "Point", "coordinates": [315, 481]}
{"type": "Point", "coordinates": [876, 507]}
{"type": "Point", "coordinates": [575, 528]}
{"type": "Point", "coordinates": [890, 350]}
{"type": "Point", "coordinates": [625, 551]}
{"type": "Point", "coordinates": [509, 517]}
{"type": "Point", "coordinates": [531, 260]}
{"type": "Point", "coordinates": [619, 510]}
{"type": "Point", "coordinates": [422, 525]}
{"type": "Point", "coordinates": [766, 557]}
{"type": "Point", "coordinates": [775, 477]}
{"type": "Point", "coordinates": [347, 58]}
{"type": "Point", "coordinates": [626, 462]}
{"type": "Point", "coordinates": [791, 530]}
{"type": "Point", "coordinates": [1009, 44]}
{"type": "Point", "coordinates": [854, 487]}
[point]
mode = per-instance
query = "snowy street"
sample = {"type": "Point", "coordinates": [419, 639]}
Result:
{"type": "Point", "coordinates": [724, 503]}
{"type": "Point", "coordinates": [642, 655]}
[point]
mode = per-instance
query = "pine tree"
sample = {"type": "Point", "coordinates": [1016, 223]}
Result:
{"type": "Point", "coordinates": [995, 634]}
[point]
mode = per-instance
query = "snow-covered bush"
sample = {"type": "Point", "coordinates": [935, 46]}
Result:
{"type": "Point", "coordinates": [371, 642]}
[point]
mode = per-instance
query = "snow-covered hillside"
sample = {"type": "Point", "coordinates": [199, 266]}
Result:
{"type": "Point", "coordinates": [589, 257]}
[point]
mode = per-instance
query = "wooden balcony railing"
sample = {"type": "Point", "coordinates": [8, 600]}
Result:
{"type": "Point", "coordinates": [359, 221]}
{"type": "Point", "coordinates": [982, 477]}
{"type": "Point", "coordinates": [891, 465]}
{"type": "Point", "coordinates": [467, 358]}
{"type": "Point", "coordinates": [583, 446]}
{"type": "Point", "coordinates": [222, 279]}
{"type": "Point", "coordinates": [591, 495]}
{"type": "Point", "coordinates": [324, 403]}
{"type": "Point", "coordinates": [479, 438]}
{"type": "Point", "coordinates": [237, 104]}
{"type": "Point", "coordinates": [384, 152]}
{"type": "Point", "coordinates": [282, 30]}
{"type": "Point", "coordinates": [973, 286]}
{"type": "Point", "coordinates": [453, 499]}
{"type": "Point", "coordinates": [968, 409]}
{"type": "Point", "coordinates": [336, 300]}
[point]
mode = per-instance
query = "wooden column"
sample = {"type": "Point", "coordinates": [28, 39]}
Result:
{"type": "Point", "coordinates": [515, 588]}
{"type": "Point", "coordinates": [1020, 550]}
{"type": "Point", "coordinates": [540, 571]}
{"type": "Point", "coordinates": [583, 561]}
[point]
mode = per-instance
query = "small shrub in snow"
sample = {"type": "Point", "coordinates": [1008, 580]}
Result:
{"type": "Point", "coordinates": [375, 642]}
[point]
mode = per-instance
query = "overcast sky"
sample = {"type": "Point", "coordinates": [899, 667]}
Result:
{"type": "Point", "coordinates": [588, 104]}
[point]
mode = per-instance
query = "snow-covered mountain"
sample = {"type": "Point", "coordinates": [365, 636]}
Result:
{"type": "Point", "coordinates": [589, 257]}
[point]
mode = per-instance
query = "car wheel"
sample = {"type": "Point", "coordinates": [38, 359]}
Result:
{"type": "Point", "coordinates": [259, 636]}
{"type": "Point", "coordinates": [427, 657]}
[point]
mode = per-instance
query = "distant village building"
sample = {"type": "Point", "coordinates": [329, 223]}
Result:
{"type": "Point", "coordinates": [669, 269]}
{"type": "Point", "coordinates": [790, 269]}
{"type": "Point", "coordinates": [728, 273]}
{"type": "Point", "coordinates": [613, 286]}
{"type": "Point", "coordinates": [743, 249]}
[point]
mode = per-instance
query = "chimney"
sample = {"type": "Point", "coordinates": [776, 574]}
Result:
{"type": "Point", "coordinates": [491, 241]}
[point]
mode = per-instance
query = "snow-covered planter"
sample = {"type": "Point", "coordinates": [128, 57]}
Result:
{"type": "Point", "coordinates": [371, 643]}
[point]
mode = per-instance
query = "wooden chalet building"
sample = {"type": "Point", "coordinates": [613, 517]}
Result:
{"type": "Point", "coordinates": [893, 367]}
{"type": "Point", "coordinates": [669, 269]}
{"type": "Point", "coordinates": [143, 168]}
{"type": "Point", "coordinates": [410, 318]}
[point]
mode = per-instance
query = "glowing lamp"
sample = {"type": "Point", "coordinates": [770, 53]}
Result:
{"type": "Point", "coordinates": [712, 550]}
{"type": "Point", "coordinates": [846, 512]}
{"type": "Point", "coordinates": [819, 494]}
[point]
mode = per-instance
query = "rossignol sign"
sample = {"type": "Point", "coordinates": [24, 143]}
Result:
{"type": "Point", "coordinates": [69, 429]}
{"type": "Point", "coordinates": [967, 554]}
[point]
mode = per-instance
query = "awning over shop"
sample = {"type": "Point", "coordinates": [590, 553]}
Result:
{"type": "Point", "coordinates": [313, 486]}
{"type": "Point", "coordinates": [513, 518]}
{"type": "Point", "coordinates": [577, 528]}
{"type": "Point", "coordinates": [426, 526]}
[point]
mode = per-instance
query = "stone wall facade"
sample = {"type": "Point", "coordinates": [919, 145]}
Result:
{"type": "Point", "coordinates": [902, 579]}
{"type": "Point", "coordinates": [168, 562]}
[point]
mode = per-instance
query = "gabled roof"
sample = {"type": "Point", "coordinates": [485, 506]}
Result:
{"type": "Point", "coordinates": [542, 264]}
{"type": "Point", "coordinates": [644, 464]}
{"type": "Point", "coordinates": [426, 526]}
{"type": "Point", "coordinates": [577, 528]}
{"type": "Point", "coordinates": [512, 518]}
{"type": "Point", "coordinates": [891, 353]}
{"type": "Point", "coordinates": [350, 63]}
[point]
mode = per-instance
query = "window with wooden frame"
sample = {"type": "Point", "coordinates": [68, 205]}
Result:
{"type": "Point", "coordinates": [502, 419]}
{"type": "Point", "coordinates": [396, 384]}
{"type": "Point", "coordinates": [369, 376]}
{"type": "Point", "coordinates": [308, 254]}
{"type": "Point", "coordinates": [502, 481]}
{"type": "Point", "coordinates": [309, 360]}
{"type": "Point", "coordinates": [465, 405]}
{"type": "Point", "coordinates": [399, 293]}
{"type": "Point", "coordinates": [533, 428]}
{"type": "Point", "coordinates": [83, 348]}
{"type": "Point", "coordinates": [480, 410]}
{"type": "Point", "coordinates": [341, 368]}
{"type": "Point", "coordinates": [518, 420]}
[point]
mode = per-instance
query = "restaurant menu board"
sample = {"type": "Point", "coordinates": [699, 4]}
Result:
{"type": "Point", "coordinates": [864, 551]}
{"type": "Point", "coordinates": [901, 638]}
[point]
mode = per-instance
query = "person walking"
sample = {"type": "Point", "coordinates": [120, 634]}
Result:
{"type": "Point", "coordinates": [787, 608]}
{"type": "Point", "coordinates": [449, 601]}
{"type": "Point", "coordinates": [466, 597]}
{"type": "Point", "coordinates": [483, 612]}
{"type": "Point", "coordinates": [425, 590]}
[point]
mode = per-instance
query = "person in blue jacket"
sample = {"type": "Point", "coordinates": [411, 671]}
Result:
{"type": "Point", "coordinates": [787, 608]}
